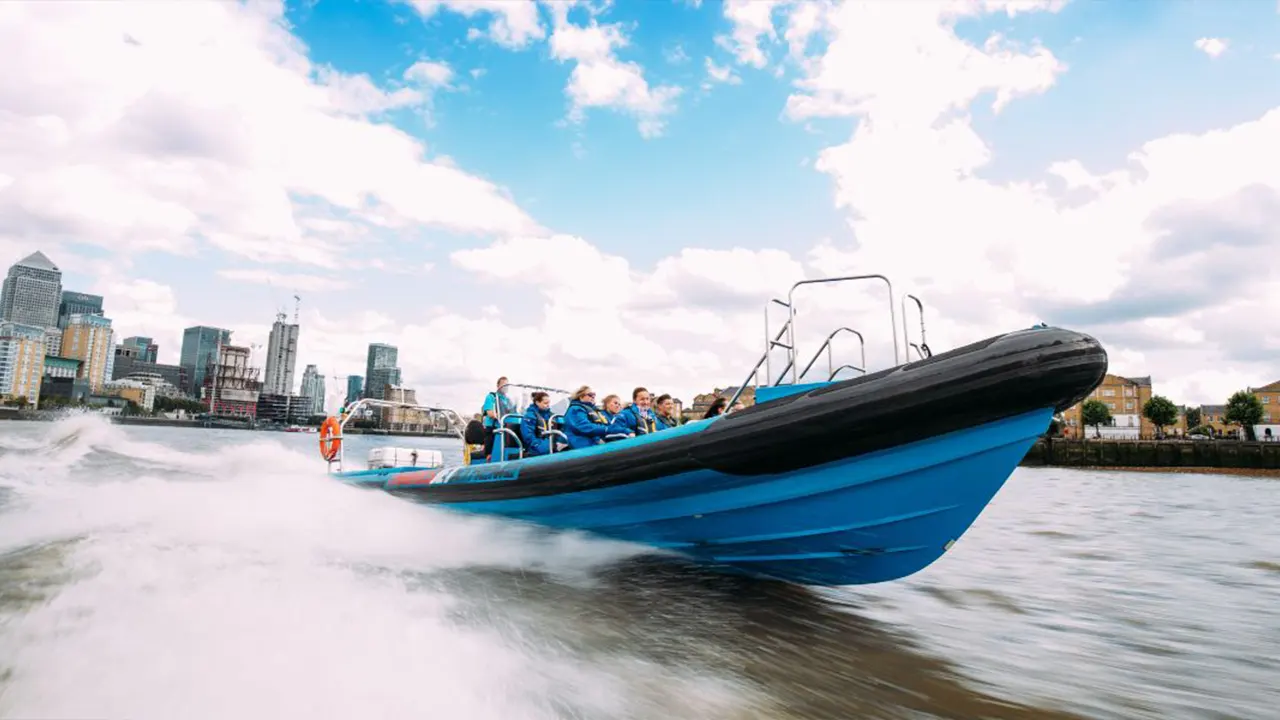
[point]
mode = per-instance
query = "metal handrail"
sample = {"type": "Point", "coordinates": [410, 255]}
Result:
{"type": "Point", "coordinates": [453, 422]}
{"type": "Point", "coordinates": [771, 343]}
{"type": "Point", "coordinates": [835, 372]}
{"type": "Point", "coordinates": [534, 387]}
{"type": "Point", "coordinates": [764, 359]}
{"type": "Point", "coordinates": [551, 446]}
{"type": "Point", "coordinates": [502, 429]}
{"type": "Point", "coordinates": [826, 345]}
{"type": "Point", "coordinates": [791, 324]}
{"type": "Point", "coordinates": [923, 348]}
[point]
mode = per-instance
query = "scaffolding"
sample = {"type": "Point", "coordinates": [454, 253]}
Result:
{"type": "Point", "coordinates": [231, 384]}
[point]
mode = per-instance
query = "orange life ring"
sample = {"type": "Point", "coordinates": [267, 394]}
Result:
{"type": "Point", "coordinates": [330, 438]}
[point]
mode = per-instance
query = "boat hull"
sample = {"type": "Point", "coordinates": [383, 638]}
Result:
{"type": "Point", "coordinates": [823, 487]}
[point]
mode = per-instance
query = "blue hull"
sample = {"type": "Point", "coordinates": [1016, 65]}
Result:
{"type": "Point", "coordinates": [844, 483]}
{"type": "Point", "coordinates": [872, 518]}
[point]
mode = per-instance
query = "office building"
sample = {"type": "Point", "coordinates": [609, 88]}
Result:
{"type": "Point", "coordinates": [381, 370]}
{"type": "Point", "coordinates": [145, 350]}
{"type": "Point", "coordinates": [32, 292]}
{"type": "Point", "coordinates": [199, 344]}
{"type": "Point", "coordinates": [231, 386]}
{"type": "Point", "coordinates": [355, 385]}
{"type": "Point", "coordinates": [77, 303]}
{"type": "Point", "coordinates": [313, 387]}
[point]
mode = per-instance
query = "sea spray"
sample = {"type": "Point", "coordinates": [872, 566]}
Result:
{"type": "Point", "coordinates": [239, 580]}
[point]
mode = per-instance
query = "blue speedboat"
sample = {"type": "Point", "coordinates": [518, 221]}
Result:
{"type": "Point", "coordinates": [838, 482]}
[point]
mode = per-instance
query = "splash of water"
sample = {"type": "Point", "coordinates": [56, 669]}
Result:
{"type": "Point", "coordinates": [241, 582]}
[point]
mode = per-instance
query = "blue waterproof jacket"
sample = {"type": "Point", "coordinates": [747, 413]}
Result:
{"type": "Point", "coordinates": [633, 421]}
{"type": "Point", "coordinates": [533, 430]}
{"type": "Point", "coordinates": [662, 422]}
{"type": "Point", "coordinates": [584, 425]}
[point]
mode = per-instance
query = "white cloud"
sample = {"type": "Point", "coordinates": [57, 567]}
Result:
{"type": "Point", "coordinates": [989, 256]}
{"type": "Point", "coordinates": [514, 23]}
{"type": "Point", "coordinates": [600, 79]}
{"type": "Point", "coordinates": [721, 73]}
{"type": "Point", "coordinates": [1213, 47]}
{"type": "Point", "coordinates": [286, 281]}
{"type": "Point", "coordinates": [204, 122]}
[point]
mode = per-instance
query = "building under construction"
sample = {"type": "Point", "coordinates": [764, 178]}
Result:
{"type": "Point", "coordinates": [231, 386]}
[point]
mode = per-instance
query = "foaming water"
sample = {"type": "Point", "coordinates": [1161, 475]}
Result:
{"type": "Point", "coordinates": [162, 572]}
{"type": "Point", "coordinates": [240, 582]}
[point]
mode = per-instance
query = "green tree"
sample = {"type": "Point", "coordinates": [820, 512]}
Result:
{"type": "Point", "coordinates": [1161, 411]}
{"type": "Point", "coordinates": [1244, 409]}
{"type": "Point", "coordinates": [1193, 417]}
{"type": "Point", "coordinates": [1095, 414]}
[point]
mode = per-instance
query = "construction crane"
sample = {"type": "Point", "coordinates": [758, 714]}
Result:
{"type": "Point", "coordinates": [297, 308]}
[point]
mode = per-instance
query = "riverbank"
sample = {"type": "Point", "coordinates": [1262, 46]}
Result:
{"type": "Point", "coordinates": [1228, 457]}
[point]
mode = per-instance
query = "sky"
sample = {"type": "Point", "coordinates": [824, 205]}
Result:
{"type": "Point", "coordinates": [604, 193]}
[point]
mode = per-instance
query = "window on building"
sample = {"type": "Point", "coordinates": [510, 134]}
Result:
{"type": "Point", "coordinates": [1109, 392]}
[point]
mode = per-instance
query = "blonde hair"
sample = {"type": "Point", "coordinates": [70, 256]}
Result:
{"type": "Point", "coordinates": [577, 394]}
{"type": "Point", "coordinates": [607, 398]}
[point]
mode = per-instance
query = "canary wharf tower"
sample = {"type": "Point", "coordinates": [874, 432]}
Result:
{"type": "Point", "coordinates": [31, 292]}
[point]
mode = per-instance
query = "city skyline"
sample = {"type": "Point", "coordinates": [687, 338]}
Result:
{"type": "Point", "coordinates": [492, 204]}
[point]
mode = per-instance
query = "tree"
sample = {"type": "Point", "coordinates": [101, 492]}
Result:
{"type": "Point", "coordinates": [1244, 408]}
{"type": "Point", "coordinates": [1095, 413]}
{"type": "Point", "coordinates": [1193, 417]}
{"type": "Point", "coordinates": [1161, 411]}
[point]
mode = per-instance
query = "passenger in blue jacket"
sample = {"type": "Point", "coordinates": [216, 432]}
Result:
{"type": "Point", "coordinates": [536, 423]}
{"type": "Point", "coordinates": [584, 424]}
{"type": "Point", "coordinates": [636, 418]}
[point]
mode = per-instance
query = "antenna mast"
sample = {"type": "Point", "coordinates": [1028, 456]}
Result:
{"type": "Point", "coordinates": [297, 308]}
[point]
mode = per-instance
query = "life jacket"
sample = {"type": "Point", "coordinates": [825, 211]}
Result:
{"type": "Point", "coordinates": [594, 414]}
{"type": "Point", "coordinates": [644, 424]}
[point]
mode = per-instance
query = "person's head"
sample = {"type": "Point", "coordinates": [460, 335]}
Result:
{"type": "Point", "coordinates": [717, 407]}
{"type": "Point", "coordinates": [612, 404]}
{"type": "Point", "coordinates": [641, 398]}
{"type": "Point", "coordinates": [739, 406]}
{"type": "Point", "coordinates": [502, 381]}
{"type": "Point", "coordinates": [585, 394]}
{"type": "Point", "coordinates": [541, 399]}
{"type": "Point", "coordinates": [665, 404]}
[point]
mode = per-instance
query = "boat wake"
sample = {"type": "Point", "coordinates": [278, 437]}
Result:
{"type": "Point", "coordinates": [160, 582]}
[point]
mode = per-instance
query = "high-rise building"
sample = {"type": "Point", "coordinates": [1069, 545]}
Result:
{"type": "Point", "coordinates": [145, 350]}
{"type": "Point", "coordinates": [282, 357]}
{"type": "Point", "coordinates": [355, 385]}
{"type": "Point", "coordinates": [198, 347]}
{"type": "Point", "coordinates": [31, 292]}
{"type": "Point", "coordinates": [380, 370]}
{"type": "Point", "coordinates": [313, 387]}
{"type": "Point", "coordinates": [90, 338]}
{"type": "Point", "coordinates": [21, 361]}
{"type": "Point", "coordinates": [77, 303]}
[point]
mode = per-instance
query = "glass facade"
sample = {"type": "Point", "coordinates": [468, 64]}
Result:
{"type": "Point", "coordinates": [32, 292]}
{"type": "Point", "coordinates": [198, 346]}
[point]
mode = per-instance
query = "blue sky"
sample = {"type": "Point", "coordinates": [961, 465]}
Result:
{"type": "Point", "coordinates": [730, 169]}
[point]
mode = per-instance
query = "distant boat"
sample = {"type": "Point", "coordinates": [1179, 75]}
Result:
{"type": "Point", "coordinates": [838, 482]}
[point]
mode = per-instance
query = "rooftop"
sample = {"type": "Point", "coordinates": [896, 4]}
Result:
{"type": "Point", "coordinates": [37, 261]}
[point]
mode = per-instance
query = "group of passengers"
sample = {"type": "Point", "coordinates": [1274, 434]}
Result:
{"type": "Point", "coordinates": [584, 422]}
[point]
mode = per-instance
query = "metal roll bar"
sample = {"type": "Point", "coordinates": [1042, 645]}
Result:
{"type": "Point", "coordinates": [453, 422]}
{"type": "Point", "coordinates": [835, 372]}
{"type": "Point", "coordinates": [791, 324]}
{"type": "Point", "coordinates": [923, 348]}
{"type": "Point", "coordinates": [826, 345]}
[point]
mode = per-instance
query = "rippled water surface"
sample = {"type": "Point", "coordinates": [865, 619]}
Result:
{"type": "Point", "coordinates": [174, 573]}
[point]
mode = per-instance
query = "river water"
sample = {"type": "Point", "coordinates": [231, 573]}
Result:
{"type": "Point", "coordinates": [160, 573]}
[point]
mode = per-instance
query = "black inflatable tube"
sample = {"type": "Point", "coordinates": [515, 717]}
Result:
{"type": "Point", "coordinates": [983, 382]}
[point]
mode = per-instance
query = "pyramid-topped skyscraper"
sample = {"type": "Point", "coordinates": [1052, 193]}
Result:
{"type": "Point", "coordinates": [31, 292]}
